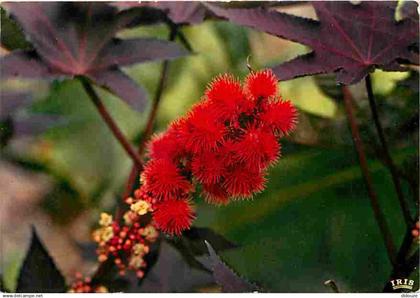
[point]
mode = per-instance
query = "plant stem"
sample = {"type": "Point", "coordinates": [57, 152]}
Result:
{"type": "Point", "coordinates": [385, 151]}
{"type": "Point", "coordinates": [150, 121]}
{"type": "Point", "coordinates": [358, 144]}
{"type": "Point", "coordinates": [332, 285]}
{"type": "Point", "coordinates": [404, 266]}
{"type": "Point", "coordinates": [137, 167]}
{"type": "Point", "coordinates": [110, 122]}
{"type": "Point", "coordinates": [411, 181]}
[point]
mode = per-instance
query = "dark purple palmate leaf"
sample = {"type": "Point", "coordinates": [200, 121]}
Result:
{"type": "Point", "coordinates": [180, 13]}
{"type": "Point", "coordinates": [224, 276]}
{"type": "Point", "coordinates": [188, 12]}
{"type": "Point", "coordinates": [74, 39]}
{"type": "Point", "coordinates": [38, 273]}
{"type": "Point", "coordinates": [10, 102]}
{"type": "Point", "coordinates": [409, 10]}
{"type": "Point", "coordinates": [36, 124]}
{"type": "Point", "coordinates": [349, 39]}
{"type": "Point", "coordinates": [24, 124]}
{"type": "Point", "coordinates": [192, 12]}
{"type": "Point", "coordinates": [172, 274]}
{"type": "Point", "coordinates": [25, 64]}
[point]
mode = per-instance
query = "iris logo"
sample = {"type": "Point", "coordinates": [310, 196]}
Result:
{"type": "Point", "coordinates": [402, 284]}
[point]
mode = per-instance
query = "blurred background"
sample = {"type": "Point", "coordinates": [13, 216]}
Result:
{"type": "Point", "coordinates": [313, 222]}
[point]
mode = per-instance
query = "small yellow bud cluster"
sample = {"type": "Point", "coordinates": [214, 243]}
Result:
{"type": "Point", "coordinates": [105, 219]}
{"type": "Point", "coordinates": [140, 207]}
{"type": "Point", "coordinates": [149, 232]}
{"type": "Point", "coordinates": [127, 242]}
{"type": "Point", "coordinates": [137, 209]}
{"type": "Point", "coordinates": [140, 249]}
{"type": "Point", "coordinates": [106, 232]}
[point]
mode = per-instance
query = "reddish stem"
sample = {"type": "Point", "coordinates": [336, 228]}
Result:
{"type": "Point", "coordinates": [137, 167]}
{"type": "Point", "coordinates": [150, 121]}
{"type": "Point", "coordinates": [387, 156]}
{"type": "Point", "coordinates": [110, 122]}
{"type": "Point", "coordinates": [135, 170]}
{"type": "Point", "coordinates": [358, 144]}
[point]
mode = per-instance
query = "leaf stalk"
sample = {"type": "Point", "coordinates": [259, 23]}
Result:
{"type": "Point", "coordinates": [358, 144]}
{"type": "Point", "coordinates": [151, 119]}
{"type": "Point", "coordinates": [385, 151]}
{"type": "Point", "coordinates": [110, 122]}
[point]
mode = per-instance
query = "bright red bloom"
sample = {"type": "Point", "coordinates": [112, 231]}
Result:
{"type": "Point", "coordinates": [214, 193]}
{"type": "Point", "coordinates": [261, 84]}
{"type": "Point", "coordinates": [202, 131]}
{"type": "Point", "coordinates": [280, 115]}
{"type": "Point", "coordinates": [164, 146]}
{"type": "Point", "coordinates": [258, 148]}
{"type": "Point", "coordinates": [241, 182]}
{"type": "Point", "coordinates": [208, 167]}
{"type": "Point", "coordinates": [167, 145]}
{"type": "Point", "coordinates": [173, 216]}
{"type": "Point", "coordinates": [225, 143]}
{"type": "Point", "coordinates": [163, 180]}
{"type": "Point", "coordinates": [227, 97]}
{"type": "Point", "coordinates": [177, 126]}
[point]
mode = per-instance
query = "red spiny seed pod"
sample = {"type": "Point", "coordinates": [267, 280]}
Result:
{"type": "Point", "coordinates": [202, 131]}
{"type": "Point", "coordinates": [173, 216]}
{"type": "Point", "coordinates": [261, 84]}
{"type": "Point", "coordinates": [165, 146]}
{"type": "Point", "coordinates": [164, 180]}
{"type": "Point", "coordinates": [257, 148]}
{"type": "Point", "coordinates": [279, 115]}
{"type": "Point", "coordinates": [243, 182]}
{"type": "Point", "coordinates": [227, 97]}
{"type": "Point", "coordinates": [208, 167]}
{"type": "Point", "coordinates": [215, 193]}
{"type": "Point", "coordinates": [224, 143]}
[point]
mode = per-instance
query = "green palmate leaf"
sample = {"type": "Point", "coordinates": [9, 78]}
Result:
{"type": "Point", "coordinates": [39, 273]}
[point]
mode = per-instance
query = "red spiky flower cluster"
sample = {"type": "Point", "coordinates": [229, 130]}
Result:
{"type": "Point", "coordinates": [225, 143]}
